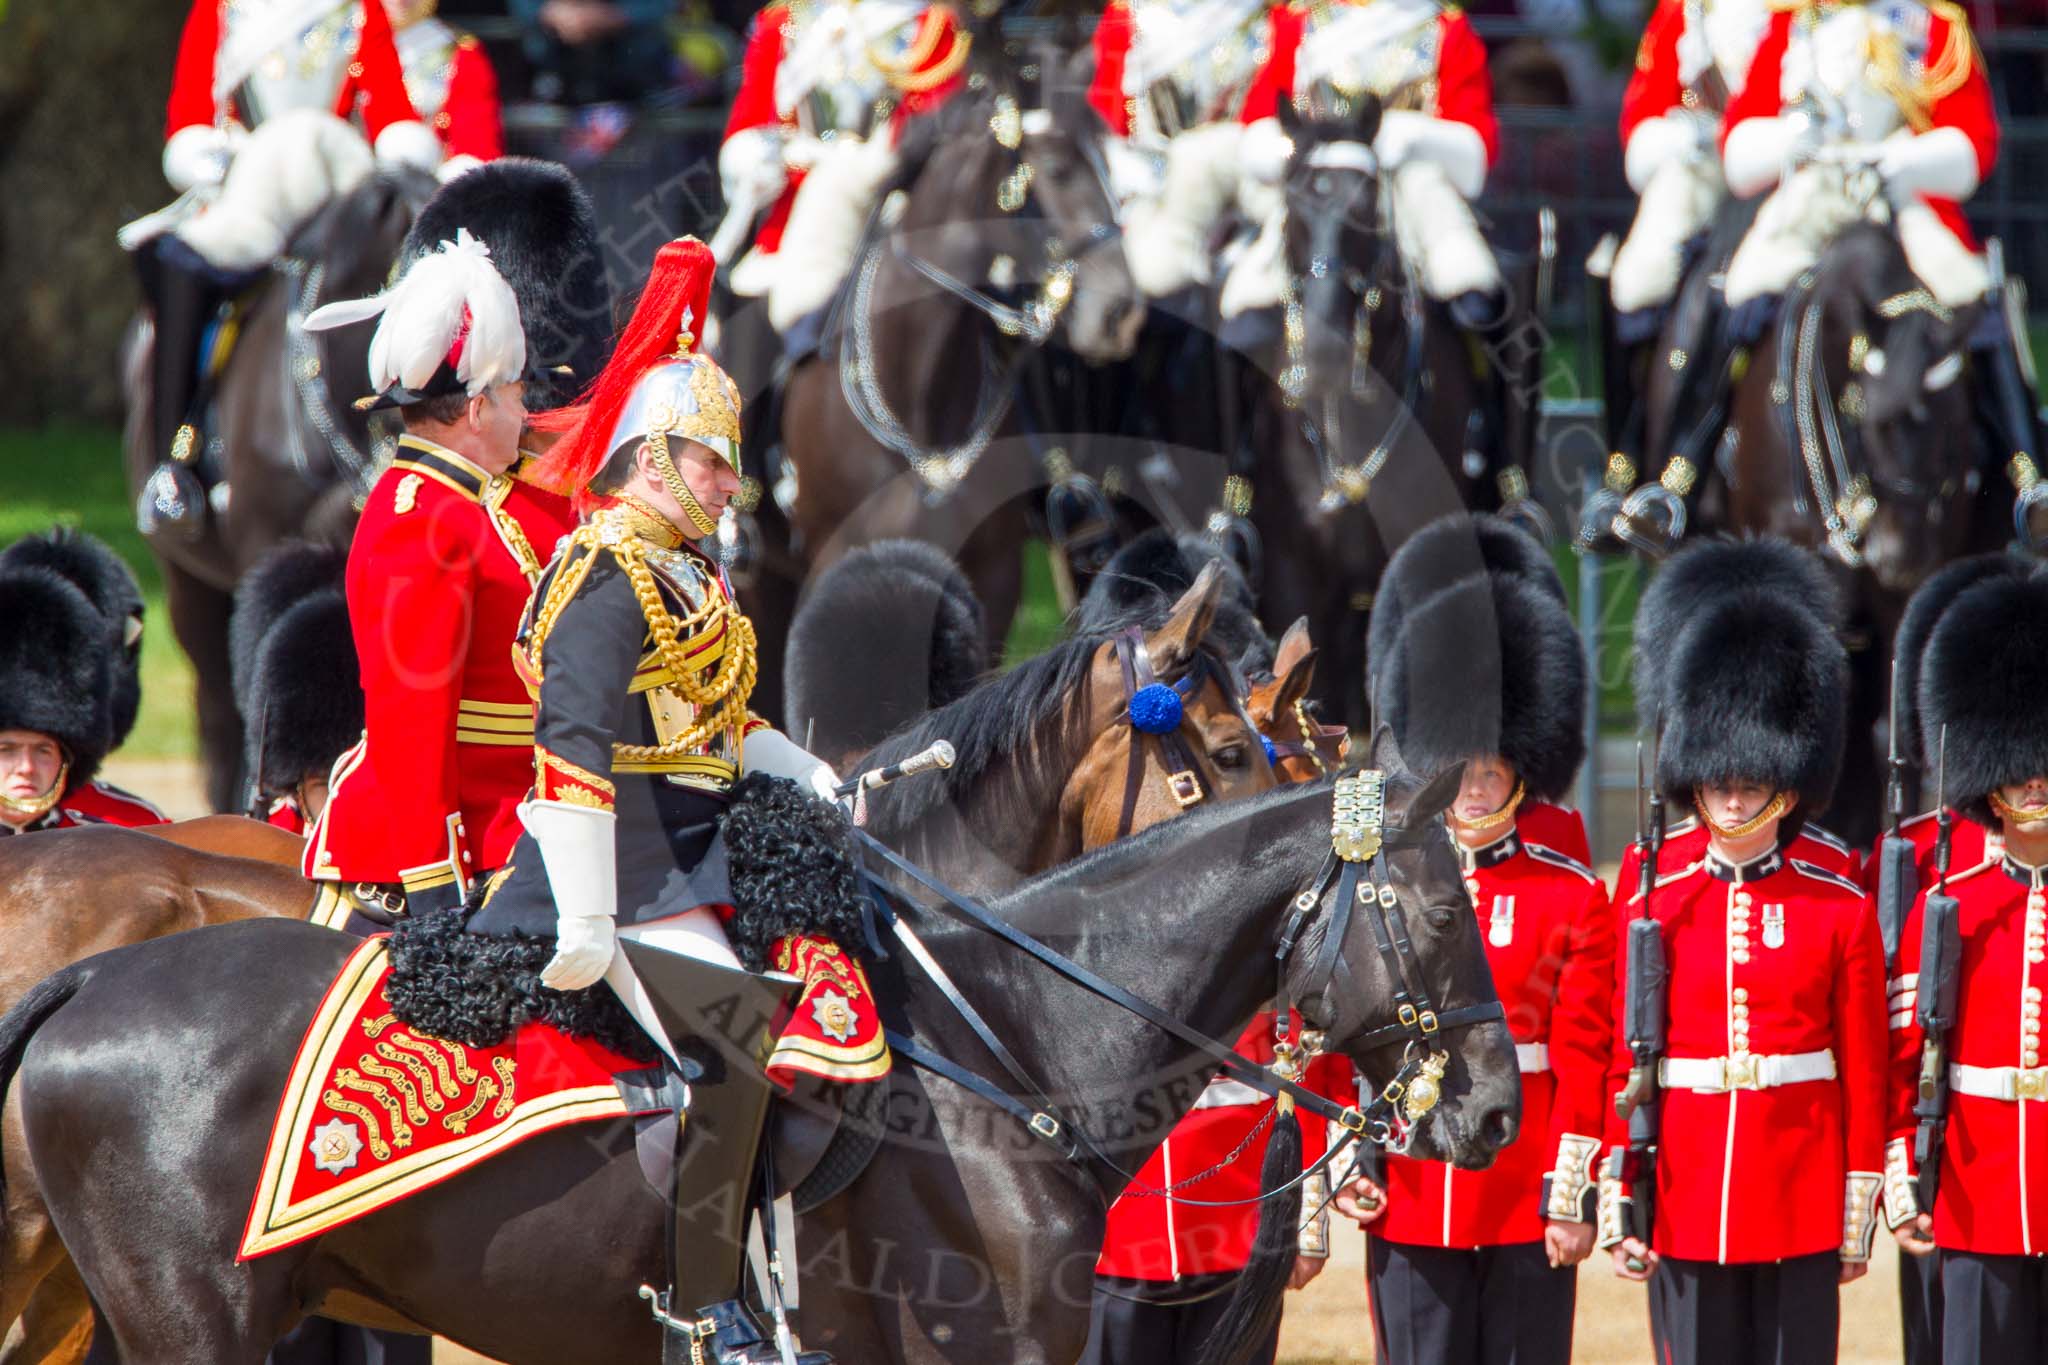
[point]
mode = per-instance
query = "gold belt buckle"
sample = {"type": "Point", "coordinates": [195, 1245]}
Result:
{"type": "Point", "coordinates": [1186, 788]}
{"type": "Point", "coordinates": [1740, 1072]}
{"type": "Point", "coordinates": [2030, 1083]}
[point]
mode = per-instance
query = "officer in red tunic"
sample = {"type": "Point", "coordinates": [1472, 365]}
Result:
{"type": "Point", "coordinates": [453, 536]}
{"type": "Point", "coordinates": [297, 683]}
{"type": "Point", "coordinates": [57, 671]}
{"type": "Point", "coordinates": [451, 83]}
{"type": "Point", "coordinates": [109, 584]}
{"type": "Point", "coordinates": [1982, 671]}
{"type": "Point", "coordinates": [1470, 1267]}
{"type": "Point", "coordinates": [1769, 1153]}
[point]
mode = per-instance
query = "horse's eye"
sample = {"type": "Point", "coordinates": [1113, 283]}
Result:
{"type": "Point", "coordinates": [1231, 756]}
{"type": "Point", "coordinates": [1440, 916]}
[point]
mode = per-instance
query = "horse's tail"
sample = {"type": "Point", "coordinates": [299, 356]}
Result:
{"type": "Point", "coordinates": [899, 621]}
{"type": "Point", "coordinates": [1253, 1313]}
{"type": "Point", "coordinates": [44, 999]}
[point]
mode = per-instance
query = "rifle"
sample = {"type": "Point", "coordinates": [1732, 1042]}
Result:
{"type": "Point", "coordinates": [1941, 951]}
{"type": "Point", "coordinates": [1644, 1011]}
{"type": "Point", "coordinates": [1898, 881]}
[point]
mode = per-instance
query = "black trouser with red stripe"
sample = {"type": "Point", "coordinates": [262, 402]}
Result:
{"type": "Point", "coordinates": [1769, 1313]}
{"type": "Point", "coordinates": [1501, 1305]}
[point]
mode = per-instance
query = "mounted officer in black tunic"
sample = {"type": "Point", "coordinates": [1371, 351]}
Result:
{"type": "Point", "coordinates": [647, 761]}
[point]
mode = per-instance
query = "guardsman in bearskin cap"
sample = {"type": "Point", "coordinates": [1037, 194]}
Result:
{"type": "Point", "coordinates": [453, 536]}
{"type": "Point", "coordinates": [296, 678]}
{"type": "Point", "coordinates": [1968, 1149]}
{"type": "Point", "coordinates": [644, 751]}
{"type": "Point", "coordinates": [1920, 1304]}
{"type": "Point", "coordinates": [1760, 1050]}
{"type": "Point", "coordinates": [1484, 669]}
{"type": "Point", "coordinates": [56, 698]}
{"type": "Point", "coordinates": [1776, 566]}
{"type": "Point", "coordinates": [109, 584]}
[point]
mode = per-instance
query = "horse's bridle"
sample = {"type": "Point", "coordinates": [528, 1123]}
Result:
{"type": "Point", "coordinates": [1152, 711]}
{"type": "Point", "coordinates": [1358, 867]}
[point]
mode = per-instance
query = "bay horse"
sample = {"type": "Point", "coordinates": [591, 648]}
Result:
{"type": "Point", "coordinates": [286, 451]}
{"type": "Point", "coordinates": [961, 1243]}
{"type": "Point", "coordinates": [997, 234]}
{"type": "Point", "coordinates": [1851, 431]}
{"type": "Point", "coordinates": [1360, 411]}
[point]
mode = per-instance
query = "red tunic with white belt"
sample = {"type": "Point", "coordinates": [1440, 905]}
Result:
{"type": "Point", "coordinates": [1924, 39]}
{"type": "Point", "coordinates": [1772, 1135]}
{"type": "Point", "coordinates": [442, 564]}
{"type": "Point", "coordinates": [1427, 59]}
{"type": "Point", "coordinates": [933, 50]}
{"type": "Point", "coordinates": [451, 82]}
{"type": "Point", "coordinates": [1549, 940]}
{"type": "Point", "coordinates": [1150, 1237]}
{"type": "Point", "coordinates": [343, 61]}
{"type": "Point", "coordinates": [1993, 1195]}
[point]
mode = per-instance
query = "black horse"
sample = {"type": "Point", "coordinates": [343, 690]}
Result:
{"type": "Point", "coordinates": [287, 451]}
{"type": "Point", "coordinates": [147, 1100]}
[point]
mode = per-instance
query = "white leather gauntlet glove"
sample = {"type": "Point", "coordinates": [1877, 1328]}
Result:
{"type": "Point", "coordinates": [198, 156]}
{"type": "Point", "coordinates": [576, 844]}
{"type": "Point", "coordinates": [772, 752]}
{"type": "Point", "coordinates": [1939, 162]}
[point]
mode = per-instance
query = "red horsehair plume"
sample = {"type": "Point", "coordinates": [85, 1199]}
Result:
{"type": "Point", "coordinates": [667, 321]}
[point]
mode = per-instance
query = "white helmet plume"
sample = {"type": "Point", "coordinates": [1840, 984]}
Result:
{"type": "Point", "coordinates": [452, 307]}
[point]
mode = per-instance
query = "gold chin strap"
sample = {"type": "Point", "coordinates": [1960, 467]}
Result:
{"type": "Point", "coordinates": [2019, 815]}
{"type": "Point", "coordinates": [1776, 807]}
{"type": "Point", "coordinates": [1505, 815]}
{"type": "Point", "coordinates": [36, 807]}
{"type": "Point", "coordinates": [703, 521]}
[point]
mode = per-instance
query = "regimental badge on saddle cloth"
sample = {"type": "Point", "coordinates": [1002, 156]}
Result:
{"type": "Point", "coordinates": [374, 1112]}
{"type": "Point", "coordinates": [834, 1030]}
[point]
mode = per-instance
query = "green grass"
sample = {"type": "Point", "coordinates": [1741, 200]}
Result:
{"type": "Point", "coordinates": [71, 476]}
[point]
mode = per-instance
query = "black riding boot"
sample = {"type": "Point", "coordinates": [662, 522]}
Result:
{"type": "Point", "coordinates": [2009, 415]}
{"type": "Point", "coordinates": [1504, 338]}
{"type": "Point", "coordinates": [185, 294]}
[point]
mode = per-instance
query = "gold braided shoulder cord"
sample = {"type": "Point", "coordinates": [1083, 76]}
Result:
{"type": "Point", "coordinates": [577, 558]}
{"type": "Point", "coordinates": [724, 697]}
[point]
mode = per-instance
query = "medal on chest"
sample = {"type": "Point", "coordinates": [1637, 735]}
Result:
{"type": "Point", "coordinates": [1774, 926]}
{"type": "Point", "coordinates": [1500, 926]}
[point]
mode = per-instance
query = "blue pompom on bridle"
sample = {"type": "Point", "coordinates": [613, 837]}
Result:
{"type": "Point", "coordinates": [1156, 709]}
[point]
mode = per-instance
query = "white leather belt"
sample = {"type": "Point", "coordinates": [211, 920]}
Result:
{"type": "Point", "coordinates": [1532, 1057]}
{"type": "Point", "coordinates": [1999, 1082]}
{"type": "Point", "coordinates": [1745, 1071]}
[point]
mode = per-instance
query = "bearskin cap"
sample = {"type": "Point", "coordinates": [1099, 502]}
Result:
{"type": "Point", "coordinates": [109, 584]}
{"type": "Point", "coordinates": [1706, 571]}
{"type": "Point", "coordinates": [1909, 645]}
{"type": "Point", "coordinates": [295, 670]}
{"type": "Point", "coordinates": [1489, 664]}
{"type": "Point", "coordinates": [1982, 678]}
{"type": "Point", "coordinates": [542, 231]}
{"type": "Point", "coordinates": [1449, 550]}
{"type": "Point", "coordinates": [901, 616]}
{"type": "Point", "coordinates": [56, 670]}
{"type": "Point", "coordinates": [1142, 581]}
{"type": "Point", "coordinates": [1755, 688]}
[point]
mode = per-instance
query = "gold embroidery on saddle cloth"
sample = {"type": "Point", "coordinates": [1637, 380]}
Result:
{"type": "Point", "coordinates": [430, 1094]}
{"type": "Point", "coordinates": [433, 1057]}
{"type": "Point", "coordinates": [348, 1078]}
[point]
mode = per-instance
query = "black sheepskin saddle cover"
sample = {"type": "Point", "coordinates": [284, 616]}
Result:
{"type": "Point", "coordinates": [793, 870]}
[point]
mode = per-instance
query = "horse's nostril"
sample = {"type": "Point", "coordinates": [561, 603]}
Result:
{"type": "Point", "coordinates": [1498, 1129]}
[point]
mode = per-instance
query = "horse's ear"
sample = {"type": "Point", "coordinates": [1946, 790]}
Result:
{"type": "Point", "coordinates": [1386, 754]}
{"type": "Point", "coordinates": [1436, 795]}
{"type": "Point", "coordinates": [1365, 125]}
{"type": "Point", "coordinates": [1173, 645]}
{"type": "Point", "coordinates": [1295, 646]}
{"type": "Point", "coordinates": [1296, 676]}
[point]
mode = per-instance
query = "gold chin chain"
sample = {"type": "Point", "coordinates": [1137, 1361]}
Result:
{"type": "Point", "coordinates": [1771, 811]}
{"type": "Point", "coordinates": [706, 524]}
{"type": "Point", "coordinates": [36, 807]}
{"type": "Point", "coordinates": [1505, 815]}
{"type": "Point", "coordinates": [2019, 815]}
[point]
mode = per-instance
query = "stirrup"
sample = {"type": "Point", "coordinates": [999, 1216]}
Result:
{"type": "Point", "coordinates": [722, 1333]}
{"type": "Point", "coordinates": [2028, 508]}
{"type": "Point", "coordinates": [1597, 518]}
{"type": "Point", "coordinates": [1652, 519]}
{"type": "Point", "coordinates": [171, 502]}
{"type": "Point", "coordinates": [1531, 516]}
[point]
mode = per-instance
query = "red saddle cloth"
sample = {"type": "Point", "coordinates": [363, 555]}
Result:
{"type": "Point", "coordinates": [374, 1112]}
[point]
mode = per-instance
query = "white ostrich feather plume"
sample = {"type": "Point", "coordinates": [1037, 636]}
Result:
{"type": "Point", "coordinates": [450, 289]}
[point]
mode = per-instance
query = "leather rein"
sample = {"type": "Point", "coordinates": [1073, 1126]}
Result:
{"type": "Point", "coordinates": [1357, 868]}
